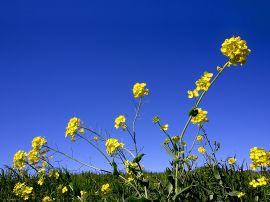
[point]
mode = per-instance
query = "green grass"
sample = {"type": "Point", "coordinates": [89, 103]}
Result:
{"type": "Point", "coordinates": [207, 184]}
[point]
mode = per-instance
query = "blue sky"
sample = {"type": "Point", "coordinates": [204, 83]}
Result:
{"type": "Point", "coordinates": [60, 59]}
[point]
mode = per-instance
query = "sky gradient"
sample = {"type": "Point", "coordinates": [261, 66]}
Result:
{"type": "Point", "coordinates": [60, 59]}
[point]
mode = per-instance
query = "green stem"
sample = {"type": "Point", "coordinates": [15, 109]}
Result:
{"type": "Point", "coordinates": [101, 152]}
{"type": "Point", "coordinates": [78, 161]}
{"type": "Point", "coordinates": [133, 125]}
{"type": "Point", "coordinates": [130, 185]}
{"type": "Point", "coordinates": [189, 118]}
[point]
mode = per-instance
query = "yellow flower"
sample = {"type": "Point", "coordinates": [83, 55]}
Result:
{"type": "Point", "coordinates": [201, 150]}
{"type": "Point", "coordinates": [199, 138]}
{"type": "Point", "coordinates": [20, 189]}
{"type": "Point", "coordinates": [164, 127]}
{"type": "Point", "coordinates": [236, 50]}
{"type": "Point", "coordinates": [166, 141]}
{"type": "Point", "coordinates": [120, 121]}
{"type": "Point", "coordinates": [192, 157]}
{"type": "Point", "coordinates": [240, 194]}
{"type": "Point", "coordinates": [72, 127]}
{"type": "Point", "coordinates": [47, 199]}
{"type": "Point", "coordinates": [38, 142]}
{"type": "Point", "coordinates": [81, 130]}
{"type": "Point", "coordinates": [259, 157]}
{"type": "Point", "coordinates": [64, 190]}
{"type": "Point", "coordinates": [139, 90]}
{"type": "Point", "coordinates": [112, 145]}
{"type": "Point", "coordinates": [19, 160]}
{"type": "Point", "coordinates": [130, 166]}
{"type": "Point", "coordinates": [54, 173]}
{"type": "Point", "coordinates": [83, 195]}
{"type": "Point", "coordinates": [204, 82]}
{"type": "Point", "coordinates": [194, 93]}
{"type": "Point", "coordinates": [41, 181]}
{"type": "Point", "coordinates": [156, 119]}
{"type": "Point", "coordinates": [96, 138]}
{"type": "Point", "coordinates": [200, 117]}
{"type": "Point", "coordinates": [262, 181]}
{"type": "Point", "coordinates": [105, 188]}
{"type": "Point", "coordinates": [175, 138]}
{"type": "Point", "coordinates": [231, 161]}
{"type": "Point", "coordinates": [33, 157]}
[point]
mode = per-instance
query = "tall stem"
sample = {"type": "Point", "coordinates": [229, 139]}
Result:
{"type": "Point", "coordinates": [78, 161]}
{"type": "Point", "coordinates": [133, 125]}
{"type": "Point", "coordinates": [189, 119]}
{"type": "Point", "coordinates": [101, 152]}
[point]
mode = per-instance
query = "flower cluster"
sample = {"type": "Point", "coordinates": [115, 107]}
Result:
{"type": "Point", "coordinates": [262, 181]}
{"type": "Point", "coordinates": [192, 157]}
{"type": "Point", "coordinates": [259, 157]}
{"type": "Point", "coordinates": [37, 154]}
{"type": "Point", "coordinates": [22, 190]}
{"type": "Point", "coordinates": [120, 121]}
{"type": "Point", "coordinates": [112, 145]}
{"type": "Point", "coordinates": [73, 127]}
{"type": "Point", "coordinates": [240, 194]}
{"type": "Point", "coordinates": [131, 169]}
{"type": "Point", "coordinates": [105, 188]}
{"type": "Point", "coordinates": [175, 138]}
{"type": "Point", "coordinates": [199, 138]}
{"type": "Point", "coordinates": [164, 127]}
{"type": "Point", "coordinates": [200, 117]}
{"type": "Point", "coordinates": [202, 84]}
{"type": "Point", "coordinates": [202, 150]}
{"type": "Point", "coordinates": [236, 50]}
{"type": "Point", "coordinates": [47, 199]}
{"type": "Point", "coordinates": [19, 160]}
{"type": "Point", "coordinates": [139, 90]}
{"type": "Point", "coordinates": [232, 161]}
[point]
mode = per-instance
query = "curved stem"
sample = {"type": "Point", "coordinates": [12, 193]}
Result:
{"type": "Point", "coordinates": [133, 125]}
{"type": "Point", "coordinates": [130, 184]}
{"type": "Point", "coordinates": [78, 161]}
{"type": "Point", "coordinates": [101, 152]}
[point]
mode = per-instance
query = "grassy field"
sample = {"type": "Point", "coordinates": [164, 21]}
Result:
{"type": "Point", "coordinates": [205, 184]}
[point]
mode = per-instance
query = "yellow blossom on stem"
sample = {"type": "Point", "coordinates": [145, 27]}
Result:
{"type": "Point", "coordinates": [166, 141]}
{"type": "Point", "coordinates": [72, 127]}
{"type": "Point", "coordinates": [175, 138]}
{"type": "Point", "coordinates": [38, 142]}
{"type": "Point", "coordinates": [236, 50]}
{"type": "Point", "coordinates": [64, 190]}
{"type": "Point", "coordinates": [262, 181]}
{"type": "Point", "coordinates": [112, 145]}
{"type": "Point", "coordinates": [139, 90]}
{"type": "Point", "coordinates": [164, 127]}
{"type": "Point", "coordinates": [19, 160]}
{"type": "Point", "coordinates": [120, 121]}
{"type": "Point", "coordinates": [105, 188]}
{"type": "Point", "coordinates": [192, 157]}
{"type": "Point", "coordinates": [156, 119]}
{"type": "Point", "coordinates": [199, 138]}
{"type": "Point", "coordinates": [201, 150]}
{"type": "Point", "coordinates": [200, 117]}
{"type": "Point", "coordinates": [23, 191]}
{"type": "Point", "coordinates": [194, 93]}
{"type": "Point", "coordinates": [47, 199]}
{"type": "Point", "coordinates": [240, 194]}
{"type": "Point", "coordinates": [259, 157]}
{"type": "Point", "coordinates": [232, 161]}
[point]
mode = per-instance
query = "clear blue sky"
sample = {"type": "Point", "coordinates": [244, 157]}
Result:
{"type": "Point", "coordinates": [64, 58]}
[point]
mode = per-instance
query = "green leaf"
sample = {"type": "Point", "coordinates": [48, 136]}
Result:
{"type": "Point", "coordinates": [115, 171]}
{"type": "Point", "coordinates": [169, 151]}
{"type": "Point", "coordinates": [137, 159]}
